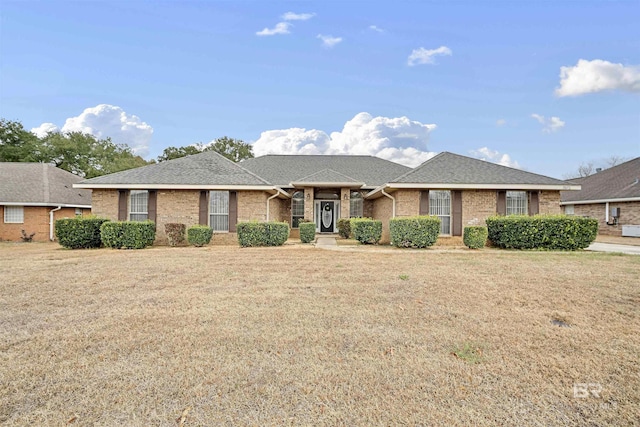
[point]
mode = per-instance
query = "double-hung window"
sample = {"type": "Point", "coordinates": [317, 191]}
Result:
{"type": "Point", "coordinates": [138, 205]}
{"type": "Point", "coordinates": [219, 210]}
{"type": "Point", "coordinates": [440, 206]}
{"type": "Point", "coordinates": [14, 214]}
{"type": "Point", "coordinates": [517, 203]}
{"type": "Point", "coordinates": [297, 208]}
{"type": "Point", "coordinates": [356, 205]}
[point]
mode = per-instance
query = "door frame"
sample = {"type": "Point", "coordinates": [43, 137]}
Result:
{"type": "Point", "coordinates": [317, 217]}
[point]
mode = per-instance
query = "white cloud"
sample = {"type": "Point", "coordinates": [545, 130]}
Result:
{"type": "Point", "coordinates": [280, 28]}
{"type": "Point", "coordinates": [396, 139]}
{"type": "Point", "coordinates": [44, 129]}
{"type": "Point", "coordinates": [290, 16]}
{"type": "Point", "coordinates": [501, 122]}
{"type": "Point", "coordinates": [427, 56]}
{"type": "Point", "coordinates": [329, 41]}
{"type": "Point", "coordinates": [597, 76]}
{"type": "Point", "coordinates": [106, 120]}
{"type": "Point", "coordinates": [485, 153]}
{"type": "Point", "coordinates": [376, 28]}
{"type": "Point", "coordinates": [550, 125]}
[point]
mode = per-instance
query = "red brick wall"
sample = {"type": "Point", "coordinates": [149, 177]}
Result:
{"type": "Point", "coordinates": [36, 219]}
{"type": "Point", "coordinates": [629, 215]}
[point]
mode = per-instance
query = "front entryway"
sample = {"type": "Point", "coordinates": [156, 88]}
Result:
{"type": "Point", "coordinates": [326, 215]}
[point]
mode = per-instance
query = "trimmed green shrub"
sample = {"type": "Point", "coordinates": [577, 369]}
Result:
{"type": "Point", "coordinates": [556, 232]}
{"type": "Point", "coordinates": [366, 230]}
{"type": "Point", "coordinates": [128, 234]}
{"type": "Point", "coordinates": [262, 233]}
{"type": "Point", "coordinates": [307, 232]}
{"type": "Point", "coordinates": [475, 236]}
{"type": "Point", "coordinates": [344, 227]}
{"type": "Point", "coordinates": [199, 235]}
{"type": "Point", "coordinates": [79, 232]}
{"type": "Point", "coordinates": [414, 231]}
{"type": "Point", "coordinates": [175, 233]}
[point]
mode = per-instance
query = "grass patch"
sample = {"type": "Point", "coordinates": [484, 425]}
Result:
{"type": "Point", "coordinates": [279, 336]}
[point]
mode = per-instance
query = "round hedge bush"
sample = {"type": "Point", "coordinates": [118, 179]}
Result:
{"type": "Point", "coordinates": [199, 235]}
{"type": "Point", "coordinates": [475, 236]}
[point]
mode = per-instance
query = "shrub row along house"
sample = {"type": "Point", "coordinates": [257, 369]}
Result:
{"type": "Point", "coordinates": [612, 196]}
{"type": "Point", "coordinates": [211, 190]}
{"type": "Point", "coordinates": [33, 196]}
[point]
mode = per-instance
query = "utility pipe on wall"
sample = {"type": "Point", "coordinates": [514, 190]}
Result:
{"type": "Point", "coordinates": [51, 222]}
{"type": "Point", "coordinates": [606, 212]}
{"type": "Point", "coordinates": [393, 204]}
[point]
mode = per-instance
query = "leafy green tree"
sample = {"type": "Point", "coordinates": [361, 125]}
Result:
{"type": "Point", "coordinates": [171, 153]}
{"type": "Point", "coordinates": [18, 144]}
{"type": "Point", "coordinates": [233, 149]}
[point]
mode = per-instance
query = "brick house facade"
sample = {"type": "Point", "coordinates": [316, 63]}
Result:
{"type": "Point", "coordinates": [272, 188]}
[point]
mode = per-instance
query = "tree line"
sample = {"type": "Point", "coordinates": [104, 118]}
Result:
{"type": "Point", "coordinates": [87, 156]}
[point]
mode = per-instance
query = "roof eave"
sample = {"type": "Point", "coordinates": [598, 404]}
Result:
{"type": "Point", "coordinates": [174, 187]}
{"type": "Point", "coordinates": [590, 202]}
{"type": "Point", "coordinates": [327, 184]}
{"type": "Point", "coordinates": [64, 205]}
{"type": "Point", "coordinates": [445, 186]}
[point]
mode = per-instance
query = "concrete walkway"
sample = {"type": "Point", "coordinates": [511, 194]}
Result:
{"type": "Point", "coordinates": [611, 247]}
{"type": "Point", "coordinates": [326, 241]}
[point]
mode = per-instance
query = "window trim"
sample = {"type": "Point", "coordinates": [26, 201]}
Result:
{"type": "Point", "coordinates": [301, 200]}
{"type": "Point", "coordinates": [218, 214]}
{"type": "Point", "coordinates": [13, 208]}
{"type": "Point", "coordinates": [432, 193]}
{"type": "Point", "coordinates": [129, 205]}
{"type": "Point", "coordinates": [519, 209]}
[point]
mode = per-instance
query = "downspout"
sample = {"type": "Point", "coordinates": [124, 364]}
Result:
{"type": "Point", "coordinates": [269, 199]}
{"type": "Point", "coordinates": [51, 222]}
{"type": "Point", "coordinates": [606, 212]}
{"type": "Point", "coordinates": [393, 205]}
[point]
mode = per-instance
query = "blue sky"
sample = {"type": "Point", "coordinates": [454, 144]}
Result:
{"type": "Point", "coordinates": [486, 74]}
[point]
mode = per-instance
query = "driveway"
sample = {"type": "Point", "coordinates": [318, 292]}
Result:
{"type": "Point", "coordinates": [611, 247]}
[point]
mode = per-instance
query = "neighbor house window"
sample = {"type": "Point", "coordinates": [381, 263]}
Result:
{"type": "Point", "coordinates": [569, 210]}
{"type": "Point", "coordinates": [219, 210]}
{"type": "Point", "coordinates": [297, 208]}
{"type": "Point", "coordinates": [440, 206]}
{"type": "Point", "coordinates": [14, 214]}
{"type": "Point", "coordinates": [138, 205]}
{"type": "Point", "coordinates": [78, 212]}
{"type": "Point", "coordinates": [517, 203]}
{"type": "Point", "coordinates": [356, 205]}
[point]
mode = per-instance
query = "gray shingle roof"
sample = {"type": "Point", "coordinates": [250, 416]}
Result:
{"type": "Point", "coordinates": [327, 175]}
{"type": "Point", "coordinates": [208, 168]}
{"type": "Point", "coordinates": [449, 168]}
{"type": "Point", "coordinates": [284, 169]}
{"type": "Point", "coordinates": [40, 183]}
{"type": "Point", "coordinates": [618, 182]}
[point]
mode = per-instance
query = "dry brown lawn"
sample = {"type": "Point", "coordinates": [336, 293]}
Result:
{"type": "Point", "coordinates": [302, 336]}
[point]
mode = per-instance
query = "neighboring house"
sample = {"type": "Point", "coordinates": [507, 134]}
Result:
{"type": "Point", "coordinates": [209, 189]}
{"type": "Point", "coordinates": [612, 196]}
{"type": "Point", "coordinates": [34, 195]}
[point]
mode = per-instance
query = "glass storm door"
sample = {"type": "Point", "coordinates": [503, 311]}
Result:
{"type": "Point", "coordinates": [326, 217]}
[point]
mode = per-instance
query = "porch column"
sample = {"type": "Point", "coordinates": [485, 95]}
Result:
{"type": "Point", "coordinates": [308, 204]}
{"type": "Point", "coordinates": [345, 202]}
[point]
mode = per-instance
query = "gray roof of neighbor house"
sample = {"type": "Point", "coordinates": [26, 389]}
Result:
{"type": "Point", "coordinates": [282, 170]}
{"type": "Point", "coordinates": [40, 184]}
{"type": "Point", "coordinates": [204, 169]}
{"type": "Point", "coordinates": [619, 182]}
{"type": "Point", "coordinates": [449, 168]}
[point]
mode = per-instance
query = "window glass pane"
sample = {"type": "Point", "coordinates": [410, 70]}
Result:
{"type": "Point", "coordinates": [440, 206]}
{"type": "Point", "coordinates": [14, 214]}
{"type": "Point", "coordinates": [297, 208]}
{"type": "Point", "coordinates": [356, 205]}
{"type": "Point", "coordinates": [138, 205]}
{"type": "Point", "coordinates": [219, 210]}
{"type": "Point", "coordinates": [569, 210]}
{"type": "Point", "coordinates": [517, 203]}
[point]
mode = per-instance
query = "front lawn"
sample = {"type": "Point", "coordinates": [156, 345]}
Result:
{"type": "Point", "coordinates": [303, 336]}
